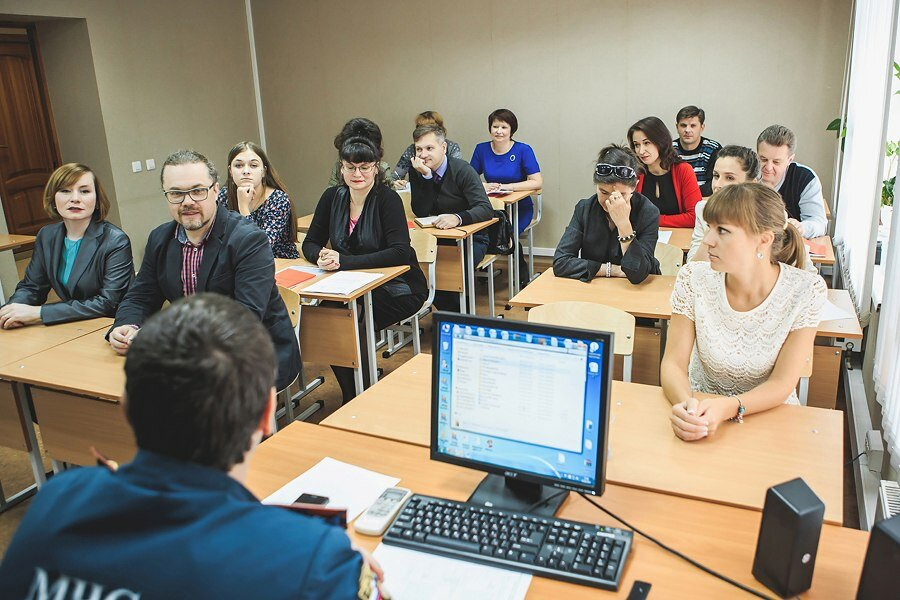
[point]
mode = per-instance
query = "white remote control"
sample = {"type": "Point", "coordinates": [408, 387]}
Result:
{"type": "Point", "coordinates": [379, 516]}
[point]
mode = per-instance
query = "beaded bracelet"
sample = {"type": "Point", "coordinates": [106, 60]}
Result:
{"type": "Point", "coordinates": [739, 417]}
{"type": "Point", "coordinates": [609, 269]}
{"type": "Point", "coordinates": [626, 238]}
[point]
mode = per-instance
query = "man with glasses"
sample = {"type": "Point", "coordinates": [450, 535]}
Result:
{"type": "Point", "coordinates": [206, 248]}
{"type": "Point", "coordinates": [178, 521]}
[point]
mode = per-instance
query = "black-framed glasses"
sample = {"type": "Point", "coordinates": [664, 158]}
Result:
{"type": "Point", "coordinates": [197, 194]}
{"type": "Point", "coordinates": [364, 169]}
{"type": "Point", "coordinates": [605, 170]}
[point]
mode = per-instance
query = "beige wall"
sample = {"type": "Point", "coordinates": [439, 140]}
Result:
{"type": "Point", "coordinates": [576, 73]}
{"type": "Point", "coordinates": [169, 74]}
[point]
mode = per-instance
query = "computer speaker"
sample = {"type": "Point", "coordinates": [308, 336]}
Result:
{"type": "Point", "coordinates": [788, 538]}
{"type": "Point", "coordinates": [881, 571]}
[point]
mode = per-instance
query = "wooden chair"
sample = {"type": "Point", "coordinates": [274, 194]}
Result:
{"type": "Point", "coordinates": [529, 232]}
{"type": "Point", "coordinates": [598, 317]}
{"type": "Point", "coordinates": [487, 263]}
{"type": "Point", "coordinates": [425, 246]}
{"type": "Point", "coordinates": [292, 302]}
{"type": "Point", "coordinates": [406, 197]}
{"type": "Point", "coordinates": [670, 258]}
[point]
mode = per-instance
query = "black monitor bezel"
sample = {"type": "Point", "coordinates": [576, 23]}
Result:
{"type": "Point", "coordinates": [605, 337]}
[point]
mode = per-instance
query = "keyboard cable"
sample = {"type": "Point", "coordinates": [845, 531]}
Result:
{"type": "Point", "coordinates": [684, 557]}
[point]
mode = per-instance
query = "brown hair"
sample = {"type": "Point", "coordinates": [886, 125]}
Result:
{"type": "Point", "coordinates": [270, 179]}
{"type": "Point", "coordinates": [689, 112]}
{"type": "Point", "coordinates": [66, 176]}
{"type": "Point", "coordinates": [430, 117]}
{"type": "Point", "coordinates": [504, 115]}
{"type": "Point", "coordinates": [758, 208]}
{"type": "Point", "coordinates": [657, 132]}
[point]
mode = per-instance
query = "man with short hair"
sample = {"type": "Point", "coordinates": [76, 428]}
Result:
{"type": "Point", "coordinates": [448, 188]}
{"type": "Point", "coordinates": [177, 522]}
{"type": "Point", "coordinates": [693, 148]}
{"type": "Point", "coordinates": [798, 185]}
{"type": "Point", "coordinates": [206, 248]}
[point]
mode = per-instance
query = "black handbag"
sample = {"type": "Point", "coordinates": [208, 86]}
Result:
{"type": "Point", "coordinates": [500, 235]}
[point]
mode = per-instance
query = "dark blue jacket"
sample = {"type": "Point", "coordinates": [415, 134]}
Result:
{"type": "Point", "coordinates": [163, 528]}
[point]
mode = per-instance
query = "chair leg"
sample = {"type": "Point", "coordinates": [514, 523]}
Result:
{"type": "Point", "coordinates": [491, 287]}
{"type": "Point", "coordinates": [804, 390]}
{"type": "Point", "coordinates": [417, 342]}
{"type": "Point", "coordinates": [530, 255]}
{"type": "Point", "coordinates": [626, 368]}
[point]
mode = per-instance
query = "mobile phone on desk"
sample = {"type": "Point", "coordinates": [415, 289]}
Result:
{"type": "Point", "coordinates": [380, 515]}
{"type": "Point", "coordinates": [311, 499]}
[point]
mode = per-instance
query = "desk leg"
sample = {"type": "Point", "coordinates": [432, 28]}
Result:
{"type": "Point", "coordinates": [510, 260]}
{"type": "Point", "coordinates": [465, 278]}
{"type": "Point", "coordinates": [470, 276]}
{"type": "Point", "coordinates": [515, 255]}
{"type": "Point", "coordinates": [37, 465]}
{"type": "Point", "coordinates": [357, 372]}
{"type": "Point", "coordinates": [663, 334]}
{"type": "Point", "coordinates": [370, 337]}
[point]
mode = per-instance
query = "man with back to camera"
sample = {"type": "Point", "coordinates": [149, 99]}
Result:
{"type": "Point", "coordinates": [177, 522]}
{"type": "Point", "coordinates": [693, 148]}
{"type": "Point", "coordinates": [450, 189]}
{"type": "Point", "coordinates": [206, 248]}
{"type": "Point", "coordinates": [798, 185]}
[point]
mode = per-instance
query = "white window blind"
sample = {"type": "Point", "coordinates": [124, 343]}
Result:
{"type": "Point", "coordinates": [859, 190]}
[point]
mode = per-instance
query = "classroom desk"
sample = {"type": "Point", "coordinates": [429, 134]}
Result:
{"type": "Point", "coordinates": [681, 237]}
{"type": "Point", "coordinates": [330, 335]}
{"type": "Point", "coordinates": [828, 257]}
{"type": "Point", "coordinates": [721, 537]}
{"type": "Point", "coordinates": [76, 389]}
{"type": "Point", "coordinates": [11, 241]}
{"type": "Point", "coordinates": [511, 203]}
{"type": "Point", "coordinates": [735, 467]}
{"type": "Point", "coordinates": [16, 424]}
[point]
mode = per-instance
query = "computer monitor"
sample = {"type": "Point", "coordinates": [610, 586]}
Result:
{"type": "Point", "coordinates": [527, 403]}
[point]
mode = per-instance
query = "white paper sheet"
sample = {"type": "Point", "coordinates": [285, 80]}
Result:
{"type": "Point", "coordinates": [346, 486]}
{"type": "Point", "coordinates": [316, 271]}
{"type": "Point", "coordinates": [343, 282]}
{"type": "Point", "coordinates": [417, 575]}
{"type": "Point", "coordinates": [664, 237]}
{"type": "Point", "coordinates": [831, 312]}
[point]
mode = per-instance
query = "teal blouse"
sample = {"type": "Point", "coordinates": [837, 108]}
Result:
{"type": "Point", "coordinates": [70, 251]}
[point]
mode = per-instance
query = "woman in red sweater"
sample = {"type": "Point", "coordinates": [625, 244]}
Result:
{"type": "Point", "coordinates": [667, 181]}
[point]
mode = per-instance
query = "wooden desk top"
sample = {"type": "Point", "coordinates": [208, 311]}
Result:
{"type": "Point", "coordinates": [86, 365]}
{"type": "Point", "coordinates": [649, 298]}
{"type": "Point", "coordinates": [456, 233]}
{"type": "Point", "coordinates": [9, 241]}
{"type": "Point", "coordinates": [736, 467]}
{"type": "Point", "coordinates": [514, 197]}
{"type": "Point", "coordinates": [16, 344]}
{"type": "Point", "coordinates": [681, 237]}
{"type": "Point", "coordinates": [722, 537]}
{"type": "Point", "coordinates": [387, 273]}
{"type": "Point", "coordinates": [304, 222]}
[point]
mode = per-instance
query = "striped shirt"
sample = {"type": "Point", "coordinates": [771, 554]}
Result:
{"type": "Point", "coordinates": [191, 257]}
{"type": "Point", "coordinates": [702, 159]}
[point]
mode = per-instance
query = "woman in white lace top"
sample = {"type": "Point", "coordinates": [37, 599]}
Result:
{"type": "Point", "coordinates": [743, 324]}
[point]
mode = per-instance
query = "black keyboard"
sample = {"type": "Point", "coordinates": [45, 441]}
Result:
{"type": "Point", "coordinates": [548, 547]}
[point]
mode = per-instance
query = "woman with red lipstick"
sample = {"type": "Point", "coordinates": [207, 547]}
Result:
{"type": "Point", "coordinates": [256, 191]}
{"type": "Point", "coordinates": [84, 259]}
{"type": "Point", "coordinates": [667, 181]}
{"type": "Point", "coordinates": [743, 324]}
{"type": "Point", "coordinates": [364, 222]}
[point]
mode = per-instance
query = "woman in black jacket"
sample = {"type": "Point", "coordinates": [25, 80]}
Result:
{"type": "Point", "coordinates": [367, 227]}
{"type": "Point", "coordinates": [84, 259]}
{"type": "Point", "coordinates": [613, 233]}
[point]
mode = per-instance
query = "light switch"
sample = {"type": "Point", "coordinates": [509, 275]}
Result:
{"type": "Point", "coordinates": [151, 164]}
{"type": "Point", "coordinates": [136, 166]}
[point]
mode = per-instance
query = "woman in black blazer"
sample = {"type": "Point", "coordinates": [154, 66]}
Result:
{"type": "Point", "coordinates": [84, 259]}
{"type": "Point", "coordinates": [367, 227]}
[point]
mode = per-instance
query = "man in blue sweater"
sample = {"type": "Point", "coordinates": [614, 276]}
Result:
{"type": "Point", "coordinates": [177, 522]}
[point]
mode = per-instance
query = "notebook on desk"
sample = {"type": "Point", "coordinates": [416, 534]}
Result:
{"type": "Point", "coordinates": [289, 277]}
{"type": "Point", "coordinates": [425, 221]}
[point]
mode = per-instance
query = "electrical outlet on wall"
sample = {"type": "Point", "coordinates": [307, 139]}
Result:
{"type": "Point", "coordinates": [151, 164]}
{"type": "Point", "coordinates": [136, 166]}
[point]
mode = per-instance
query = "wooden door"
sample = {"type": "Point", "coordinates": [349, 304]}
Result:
{"type": "Point", "coordinates": [28, 148]}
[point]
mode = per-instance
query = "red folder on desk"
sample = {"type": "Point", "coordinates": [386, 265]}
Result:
{"type": "Point", "coordinates": [815, 249]}
{"type": "Point", "coordinates": [290, 277]}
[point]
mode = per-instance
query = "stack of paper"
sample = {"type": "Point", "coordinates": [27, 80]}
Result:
{"type": "Point", "coordinates": [343, 283]}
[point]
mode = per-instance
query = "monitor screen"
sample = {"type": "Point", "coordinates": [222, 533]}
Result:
{"type": "Point", "coordinates": [522, 400]}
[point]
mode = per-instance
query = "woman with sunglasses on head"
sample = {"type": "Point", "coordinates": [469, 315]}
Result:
{"type": "Point", "coordinates": [743, 324]}
{"type": "Point", "coordinates": [615, 230]}
{"type": "Point", "coordinates": [364, 222]}
{"type": "Point", "coordinates": [667, 181]}
{"type": "Point", "coordinates": [85, 259]}
{"type": "Point", "coordinates": [256, 191]}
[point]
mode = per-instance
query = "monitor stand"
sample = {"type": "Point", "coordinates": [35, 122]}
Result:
{"type": "Point", "coordinates": [505, 493]}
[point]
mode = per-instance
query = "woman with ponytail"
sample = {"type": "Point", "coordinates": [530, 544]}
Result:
{"type": "Point", "coordinates": [743, 324]}
{"type": "Point", "coordinates": [364, 221]}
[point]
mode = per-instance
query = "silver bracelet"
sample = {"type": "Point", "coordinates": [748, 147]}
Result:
{"type": "Point", "coordinates": [609, 269]}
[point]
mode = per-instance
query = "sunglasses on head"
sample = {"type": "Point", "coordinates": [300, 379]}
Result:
{"type": "Point", "coordinates": [604, 170]}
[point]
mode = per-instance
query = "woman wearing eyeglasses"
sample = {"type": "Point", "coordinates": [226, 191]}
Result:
{"type": "Point", "coordinates": [255, 190]}
{"type": "Point", "coordinates": [83, 258]}
{"type": "Point", "coordinates": [364, 222]}
{"type": "Point", "coordinates": [613, 233]}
